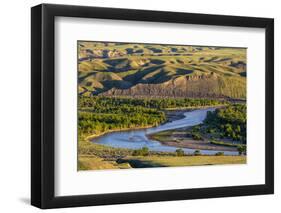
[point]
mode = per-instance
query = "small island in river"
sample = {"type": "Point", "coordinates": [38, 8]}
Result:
{"type": "Point", "coordinates": [142, 106]}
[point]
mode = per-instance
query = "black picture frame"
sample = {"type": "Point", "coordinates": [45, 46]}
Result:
{"type": "Point", "coordinates": [43, 102]}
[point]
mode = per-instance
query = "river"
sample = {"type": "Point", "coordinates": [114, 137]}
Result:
{"type": "Point", "coordinates": [136, 139]}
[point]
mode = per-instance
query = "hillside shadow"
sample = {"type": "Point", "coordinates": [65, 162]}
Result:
{"type": "Point", "coordinates": [140, 74]}
{"type": "Point", "coordinates": [243, 74]}
{"type": "Point", "coordinates": [181, 71]}
{"type": "Point", "coordinates": [119, 84]}
{"type": "Point", "coordinates": [157, 61]}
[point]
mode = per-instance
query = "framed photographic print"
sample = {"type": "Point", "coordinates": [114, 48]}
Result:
{"type": "Point", "coordinates": [139, 106]}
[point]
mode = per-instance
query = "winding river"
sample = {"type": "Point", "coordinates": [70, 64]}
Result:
{"type": "Point", "coordinates": [136, 139]}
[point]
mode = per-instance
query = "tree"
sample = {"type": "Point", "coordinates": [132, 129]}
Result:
{"type": "Point", "coordinates": [219, 154]}
{"type": "Point", "coordinates": [242, 149]}
{"type": "Point", "coordinates": [197, 136]}
{"type": "Point", "coordinates": [144, 151]}
{"type": "Point", "coordinates": [179, 152]}
{"type": "Point", "coordinates": [197, 152]}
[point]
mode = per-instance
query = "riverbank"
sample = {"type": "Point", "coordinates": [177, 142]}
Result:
{"type": "Point", "coordinates": [171, 115]}
{"type": "Point", "coordinates": [92, 136]}
{"type": "Point", "coordinates": [222, 130]}
{"type": "Point", "coordinates": [178, 138]}
{"type": "Point", "coordinates": [195, 108]}
{"type": "Point", "coordinates": [137, 139]}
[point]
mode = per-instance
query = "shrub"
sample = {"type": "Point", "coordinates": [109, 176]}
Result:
{"type": "Point", "coordinates": [144, 151]}
{"type": "Point", "coordinates": [211, 130]}
{"type": "Point", "coordinates": [195, 129]}
{"type": "Point", "coordinates": [219, 154]}
{"type": "Point", "coordinates": [242, 149]}
{"type": "Point", "coordinates": [179, 152]}
{"type": "Point", "coordinates": [196, 136]}
{"type": "Point", "coordinates": [197, 152]}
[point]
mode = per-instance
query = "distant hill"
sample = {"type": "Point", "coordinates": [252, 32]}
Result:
{"type": "Point", "coordinates": [161, 70]}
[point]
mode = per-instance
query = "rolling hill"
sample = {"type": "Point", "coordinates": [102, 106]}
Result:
{"type": "Point", "coordinates": [123, 69]}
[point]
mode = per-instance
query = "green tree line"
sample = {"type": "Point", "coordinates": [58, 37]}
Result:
{"type": "Point", "coordinates": [98, 102]}
{"type": "Point", "coordinates": [229, 122]}
{"type": "Point", "coordinates": [100, 114]}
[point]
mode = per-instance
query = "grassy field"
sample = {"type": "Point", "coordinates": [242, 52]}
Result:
{"type": "Point", "coordinates": [167, 161]}
{"type": "Point", "coordinates": [96, 163]}
{"type": "Point", "coordinates": [97, 157]}
{"type": "Point", "coordinates": [92, 162]}
{"type": "Point", "coordinates": [87, 148]}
